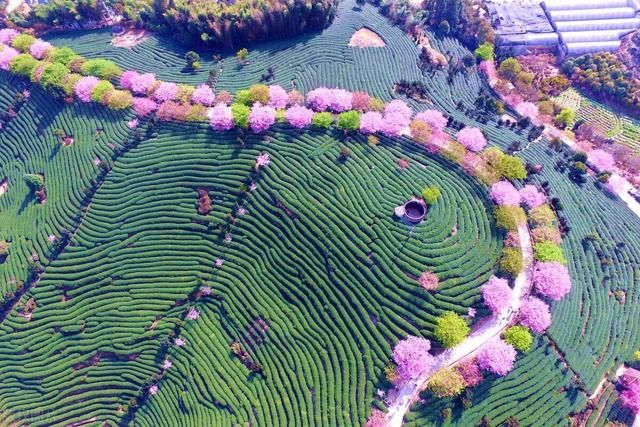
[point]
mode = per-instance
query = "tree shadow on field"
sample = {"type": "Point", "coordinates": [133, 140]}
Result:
{"type": "Point", "coordinates": [30, 197]}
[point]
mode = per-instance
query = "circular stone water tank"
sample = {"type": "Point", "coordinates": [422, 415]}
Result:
{"type": "Point", "coordinates": [414, 211]}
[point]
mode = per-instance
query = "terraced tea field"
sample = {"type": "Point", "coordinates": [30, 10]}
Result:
{"type": "Point", "coordinates": [622, 129]}
{"type": "Point", "coordinates": [317, 245]}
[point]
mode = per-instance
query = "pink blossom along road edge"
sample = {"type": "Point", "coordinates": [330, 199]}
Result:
{"type": "Point", "coordinates": [410, 392]}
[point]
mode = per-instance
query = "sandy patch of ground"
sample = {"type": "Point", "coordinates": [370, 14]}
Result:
{"type": "Point", "coordinates": [17, 5]}
{"type": "Point", "coordinates": [364, 37]}
{"type": "Point", "coordinates": [130, 38]}
{"type": "Point", "coordinates": [4, 187]}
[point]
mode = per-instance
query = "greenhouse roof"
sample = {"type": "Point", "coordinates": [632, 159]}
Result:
{"type": "Point", "coordinates": [518, 17]}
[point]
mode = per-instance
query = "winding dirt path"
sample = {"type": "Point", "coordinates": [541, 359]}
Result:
{"type": "Point", "coordinates": [410, 392]}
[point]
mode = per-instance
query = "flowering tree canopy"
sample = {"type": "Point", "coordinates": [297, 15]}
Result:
{"type": "Point", "coordinates": [376, 419]}
{"type": "Point", "coordinates": [40, 48]}
{"type": "Point", "coordinates": [535, 315]}
{"type": "Point", "coordinates": [631, 397]}
{"type": "Point", "coordinates": [262, 117]}
{"type": "Point", "coordinates": [341, 100]}
{"type": "Point", "coordinates": [552, 280]}
{"type": "Point", "coordinates": [84, 87]}
{"type": "Point", "coordinates": [527, 109]}
{"type": "Point", "coordinates": [6, 55]}
{"type": "Point", "coordinates": [497, 356]}
{"type": "Point", "coordinates": [278, 97]}
{"type": "Point", "coordinates": [470, 372]}
{"type": "Point", "coordinates": [428, 281]}
{"type": "Point", "coordinates": [472, 139]}
{"type": "Point", "coordinates": [166, 91]}
{"type": "Point", "coordinates": [370, 122]}
{"type": "Point", "coordinates": [600, 160]}
{"type": "Point", "coordinates": [299, 116]}
{"type": "Point", "coordinates": [412, 357]}
{"type": "Point", "coordinates": [141, 83]}
{"type": "Point", "coordinates": [144, 106]}
{"type": "Point", "coordinates": [221, 117]}
{"type": "Point", "coordinates": [360, 101]}
{"type": "Point", "coordinates": [434, 118]}
{"type": "Point", "coordinates": [504, 193]}
{"type": "Point", "coordinates": [532, 197]}
{"type": "Point", "coordinates": [203, 95]}
{"type": "Point", "coordinates": [7, 35]}
{"type": "Point", "coordinates": [399, 108]}
{"type": "Point", "coordinates": [497, 294]}
{"type": "Point", "coordinates": [126, 79]}
{"type": "Point", "coordinates": [319, 99]}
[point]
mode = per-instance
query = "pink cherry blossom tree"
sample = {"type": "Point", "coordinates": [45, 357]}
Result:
{"type": "Point", "coordinates": [434, 118]}
{"type": "Point", "coordinates": [630, 397]}
{"type": "Point", "coordinates": [341, 100]}
{"type": "Point", "coordinates": [278, 97]}
{"type": "Point", "coordinates": [84, 87]}
{"type": "Point", "coordinates": [126, 79]}
{"type": "Point", "coordinates": [532, 197]}
{"type": "Point", "coordinates": [398, 107]}
{"type": "Point", "coordinates": [472, 139]}
{"type": "Point", "coordinates": [319, 99]}
{"type": "Point", "coordinates": [600, 160]}
{"type": "Point", "coordinates": [144, 106]}
{"type": "Point", "coordinates": [141, 83]}
{"type": "Point", "coordinates": [470, 372]}
{"type": "Point", "coordinates": [428, 281]}
{"type": "Point", "coordinates": [166, 91]}
{"type": "Point", "coordinates": [370, 122]}
{"type": "Point", "coordinates": [504, 193]}
{"type": "Point", "coordinates": [497, 294]}
{"type": "Point", "coordinates": [39, 48]}
{"type": "Point", "coordinates": [203, 95]}
{"type": "Point", "coordinates": [376, 419]}
{"type": "Point", "coordinates": [528, 109]}
{"type": "Point", "coordinates": [220, 117]}
{"type": "Point", "coordinates": [6, 55]}
{"type": "Point", "coordinates": [261, 117]}
{"type": "Point", "coordinates": [298, 116]}
{"type": "Point", "coordinates": [360, 101]}
{"type": "Point", "coordinates": [497, 357]}
{"type": "Point", "coordinates": [7, 35]}
{"type": "Point", "coordinates": [535, 315]}
{"type": "Point", "coordinates": [552, 280]}
{"type": "Point", "coordinates": [412, 357]}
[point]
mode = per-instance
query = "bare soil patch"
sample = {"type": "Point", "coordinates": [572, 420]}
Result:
{"type": "Point", "coordinates": [364, 37]}
{"type": "Point", "coordinates": [130, 38]}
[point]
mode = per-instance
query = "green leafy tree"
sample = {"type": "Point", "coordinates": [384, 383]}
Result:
{"type": "Point", "coordinates": [53, 76]}
{"type": "Point", "coordinates": [446, 382]}
{"type": "Point", "coordinates": [519, 337]}
{"type": "Point", "coordinates": [61, 55]}
{"type": "Point", "coordinates": [34, 181]}
{"type": "Point", "coordinates": [240, 113]}
{"type": "Point", "coordinates": [100, 90]}
{"type": "Point", "coordinates": [23, 64]}
{"type": "Point", "coordinates": [485, 52]}
{"type": "Point", "coordinates": [349, 120]}
{"type": "Point", "coordinates": [511, 263]}
{"type": "Point", "coordinates": [548, 251]}
{"type": "Point", "coordinates": [322, 120]}
{"type": "Point", "coordinates": [508, 217]}
{"type": "Point", "coordinates": [565, 118]}
{"type": "Point", "coordinates": [510, 68]}
{"type": "Point", "coordinates": [23, 42]}
{"type": "Point", "coordinates": [101, 68]}
{"type": "Point", "coordinates": [451, 329]}
{"type": "Point", "coordinates": [431, 194]}
{"type": "Point", "coordinates": [242, 55]}
{"type": "Point", "coordinates": [511, 167]}
{"type": "Point", "coordinates": [193, 60]}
